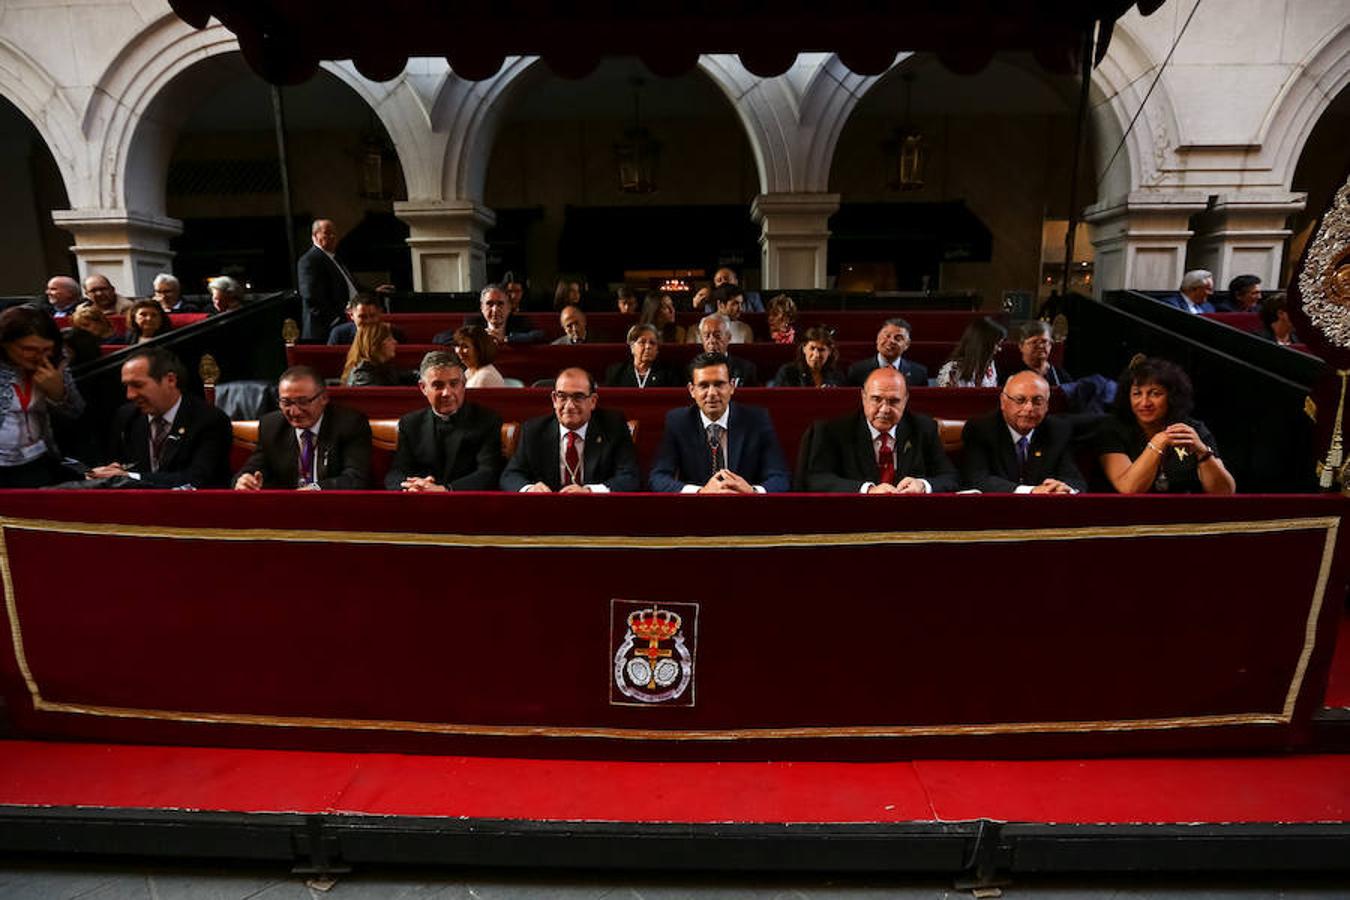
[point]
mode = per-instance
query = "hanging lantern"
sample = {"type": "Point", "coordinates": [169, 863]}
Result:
{"type": "Point", "coordinates": [372, 169]}
{"type": "Point", "coordinates": [907, 150]}
{"type": "Point", "coordinates": [638, 154]}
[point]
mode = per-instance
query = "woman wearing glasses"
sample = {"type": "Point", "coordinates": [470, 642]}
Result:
{"type": "Point", "coordinates": [1152, 444]}
{"type": "Point", "coordinates": [1036, 344]}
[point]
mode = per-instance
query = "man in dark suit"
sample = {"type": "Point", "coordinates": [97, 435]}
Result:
{"type": "Point", "coordinates": [363, 309]}
{"type": "Point", "coordinates": [450, 445]}
{"type": "Point", "coordinates": [715, 446]}
{"type": "Point", "coordinates": [892, 341]}
{"type": "Point", "coordinates": [495, 317]}
{"type": "Point", "coordinates": [882, 449]}
{"type": "Point", "coordinates": [578, 449]}
{"type": "Point", "coordinates": [573, 322]}
{"type": "Point", "coordinates": [164, 438]}
{"type": "Point", "coordinates": [1020, 449]}
{"type": "Point", "coordinates": [325, 284]}
{"type": "Point", "coordinates": [714, 332]}
{"type": "Point", "coordinates": [309, 444]}
{"type": "Point", "coordinates": [1197, 286]}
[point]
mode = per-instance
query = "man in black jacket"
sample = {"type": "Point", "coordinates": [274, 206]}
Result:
{"type": "Point", "coordinates": [1020, 449]}
{"type": "Point", "coordinates": [450, 445]}
{"type": "Point", "coordinates": [578, 449]}
{"type": "Point", "coordinates": [164, 438]}
{"type": "Point", "coordinates": [325, 284]}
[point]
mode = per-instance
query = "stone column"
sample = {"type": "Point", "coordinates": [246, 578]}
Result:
{"type": "Point", "coordinates": [1244, 234]}
{"type": "Point", "coordinates": [1140, 240]}
{"type": "Point", "coordinates": [447, 238]}
{"type": "Point", "coordinates": [794, 235]}
{"type": "Point", "coordinates": [130, 248]}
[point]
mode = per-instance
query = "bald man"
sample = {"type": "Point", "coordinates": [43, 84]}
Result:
{"type": "Point", "coordinates": [1020, 449]}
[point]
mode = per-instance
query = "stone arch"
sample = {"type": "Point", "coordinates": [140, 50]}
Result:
{"type": "Point", "coordinates": [140, 101]}
{"type": "Point", "coordinates": [1305, 96]}
{"type": "Point", "coordinates": [35, 94]}
{"type": "Point", "coordinates": [468, 114]}
{"type": "Point", "coordinates": [1116, 92]}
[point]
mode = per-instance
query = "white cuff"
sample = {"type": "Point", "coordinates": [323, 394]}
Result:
{"type": "Point", "coordinates": [598, 488]}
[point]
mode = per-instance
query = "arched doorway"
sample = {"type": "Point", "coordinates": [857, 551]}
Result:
{"type": "Point", "coordinates": [553, 181]}
{"type": "Point", "coordinates": [223, 181]}
{"type": "Point", "coordinates": [995, 183]}
{"type": "Point", "coordinates": [1321, 170]}
{"type": "Point", "coordinates": [34, 249]}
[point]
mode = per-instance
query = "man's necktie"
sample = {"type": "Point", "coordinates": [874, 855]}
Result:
{"type": "Point", "coordinates": [886, 460]}
{"type": "Point", "coordinates": [159, 432]}
{"type": "Point", "coordinates": [571, 461]}
{"type": "Point", "coordinates": [306, 457]}
{"type": "Point", "coordinates": [1021, 456]}
{"type": "Point", "coordinates": [719, 461]}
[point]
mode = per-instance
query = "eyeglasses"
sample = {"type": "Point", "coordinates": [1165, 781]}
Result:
{"type": "Point", "coordinates": [293, 402]}
{"type": "Point", "coordinates": [576, 397]}
{"type": "Point", "coordinates": [1033, 402]}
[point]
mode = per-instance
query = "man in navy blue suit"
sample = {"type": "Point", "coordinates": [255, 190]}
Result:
{"type": "Point", "coordinates": [1196, 287]}
{"type": "Point", "coordinates": [715, 447]}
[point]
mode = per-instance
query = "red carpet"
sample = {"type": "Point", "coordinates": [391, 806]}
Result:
{"type": "Point", "coordinates": [1267, 789]}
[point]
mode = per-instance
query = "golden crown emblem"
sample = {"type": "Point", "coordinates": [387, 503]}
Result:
{"type": "Point", "coordinates": [654, 624]}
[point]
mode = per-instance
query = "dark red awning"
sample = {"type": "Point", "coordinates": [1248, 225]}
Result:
{"type": "Point", "coordinates": [285, 41]}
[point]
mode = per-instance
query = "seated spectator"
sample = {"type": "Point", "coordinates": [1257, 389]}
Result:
{"type": "Point", "coordinates": [477, 350]}
{"type": "Point", "coordinates": [972, 362]}
{"type": "Point", "coordinates": [145, 320]}
{"type": "Point", "coordinates": [701, 301]}
{"type": "Point", "coordinates": [309, 444]}
{"type": "Point", "coordinates": [1020, 449]}
{"type": "Point", "coordinates": [659, 310]}
{"type": "Point", "coordinates": [643, 370]}
{"type": "Point", "coordinates": [1035, 342]}
{"type": "Point", "coordinates": [451, 444]}
{"type": "Point", "coordinates": [716, 447]}
{"type": "Point", "coordinates": [817, 363]}
{"type": "Point", "coordinates": [566, 293]}
{"type": "Point", "coordinates": [226, 294]}
{"type": "Point", "coordinates": [626, 301]}
{"type": "Point", "coordinates": [363, 308]}
{"type": "Point", "coordinates": [63, 295]}
{"type": "Point", "coordinates": [496, 319]}
{"type": "Point", "coordinates": [89, 330]}
{"type": "Point", "coordinates": [164, 438]}
{"type": "Point", "coordinates": [370, 360]}
{"type": "Point", "coordinates": [515, 294]}
{"type": "Point", "coordinates": [1152, 444]}
{"type": "Point", "coordinates": [168, 293]}
{"type": "Point", "coordinates": [715, 334]}
{"type": "Point", "coordinates": [885, 448]}
{"type": "Point", "coordinates": [1197, 286]}
{"type": "Point", "coordinates": [578, 449]}
{"type": "Point", "coordinates": [892, 342]}
{"type": "Point", "coordinates": [782, 317]}
{"type": "Point", "coordinates": [752, 301]}
{"type": "Point", "coordinates": [728, 302]}
{"type": "Point", "coordinates": [1275, 323]}
{"type": "Point", "coordinates": [1244, 295]}
{"type": "Point", "coordinates": [35, 384]}
{"type": "Point", "coordinates": [100, 291]}
{"type": "Point", "coordinates": [573, 322]}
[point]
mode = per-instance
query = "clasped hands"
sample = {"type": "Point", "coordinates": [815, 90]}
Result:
{"type": "Point", "coordinates": [725, 481]}
{"type": "Point", "coordinates": [907, 485]}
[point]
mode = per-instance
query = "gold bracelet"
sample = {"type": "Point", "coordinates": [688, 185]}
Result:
{"type": "Point", "coordinates": [1155, 449]}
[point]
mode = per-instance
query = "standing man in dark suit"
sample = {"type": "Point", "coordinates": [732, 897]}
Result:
{"type": "Point", "coordinates": [309, 444]}
{"type": "Point", "coordinates": [164, 438]}
{"type": "Point", "coordinates": [1019, 448]}
{"type": "Point", "coordinates": [450, 445]}
{"type": "Point", "coordinates": [892, 341]}
{"type": "Point", "coordinates": [325, 284]}
{"type": "Point", "coordinates": [578, 449]}
{"type": "Point", "coordinates": [716, 447]}
{"type": "Point", "coordinates": [883, 449]}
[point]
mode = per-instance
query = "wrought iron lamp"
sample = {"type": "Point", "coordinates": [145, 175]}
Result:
{"type": "Point", "coordinates": [907, 152]}
{"type": "Point", "coordinates": [638, 154]}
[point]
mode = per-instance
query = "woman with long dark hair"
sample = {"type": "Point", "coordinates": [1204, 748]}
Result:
{"type": "Point", "coordinates": [35, 383]}
{"type": "Point", "coordinates": [972, 362]}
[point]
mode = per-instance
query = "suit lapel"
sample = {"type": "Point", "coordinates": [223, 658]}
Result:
{"type": "Point", "coordinates": [864, 458]}
{"type": "Point", "coordinates": [595, 446]}
{"type": "Point", "coordinates": [322, 445]}
{"type": "Point", "coordinates": [179, 432]}
{"type": "Point", "coordinates": [451, 447]}
{"type": "Point", "coordinates": [1008, 450]}
{"type": "Point", "coordinates": [552, 457]}
{"type": "Point", "coordinates": [735, 439]}
{"type": "Point", "coordinates": [906, 449]}
{"type": "Point", "coordinates": [698, 449]}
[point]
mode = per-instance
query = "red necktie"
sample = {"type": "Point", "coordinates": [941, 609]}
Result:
{"type": "Point", "coordinates": [886, 460]}
{"type": "Point", "coordinates": [571, 461]}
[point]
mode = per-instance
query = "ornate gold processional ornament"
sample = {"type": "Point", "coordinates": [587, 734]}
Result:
{"type": "Point", "coordinates": [1324, 285]}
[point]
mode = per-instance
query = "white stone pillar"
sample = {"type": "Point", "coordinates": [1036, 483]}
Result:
{"type": "Point", "coordinates": [794, 235]}
{"type": "Point", "coordinates": [447, 238]}
{"type": "Point", "coordinates": [130, 248]}
{"type": "Point", "coordinates": [1140, 240]}
{"type": "Point", "coordinates": [1244, 234]}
